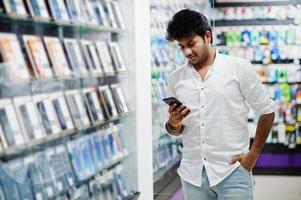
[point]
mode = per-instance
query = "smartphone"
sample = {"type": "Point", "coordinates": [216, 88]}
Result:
{"type": "Point", "coordinates": [172, 100]}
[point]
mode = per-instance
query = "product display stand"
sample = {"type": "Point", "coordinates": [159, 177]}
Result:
{"type": "Point", "coordinates": [86, 79]}
{"type": "Point", "coordinates": [266, 33]}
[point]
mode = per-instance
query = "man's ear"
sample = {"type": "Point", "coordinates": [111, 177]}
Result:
{"type": "Point", "coordinates": [208, 37]}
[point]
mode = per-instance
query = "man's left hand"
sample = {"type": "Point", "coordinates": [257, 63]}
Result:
{"type": "Point", "coordinates": [248, 160]}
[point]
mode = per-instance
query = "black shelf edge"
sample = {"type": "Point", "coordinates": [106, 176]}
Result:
{"type": "Point", "coordinates": [49, 22]}
{"type": "Point", "coordinates": [251, 22]}
{"type": "Point", "coordinates": [276, 171]}
{"type": "Point", "coordinates": [162, 171]}
{"type": "Point", "coordinates": [33, 146]}
{"type": "Point", "coordinates": [286, 61]}
{"type": "Point", "coordinates": [275, 83]}
{"type": "Point", "coordinates": [250, 3]}
{"type": "Point", "coordinates": [280, 148]}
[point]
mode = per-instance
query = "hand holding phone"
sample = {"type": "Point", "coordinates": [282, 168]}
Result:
{"type": "Point", "coordinates": [172, 100]}
{"type": "Point", "coordinates": [177, 111]}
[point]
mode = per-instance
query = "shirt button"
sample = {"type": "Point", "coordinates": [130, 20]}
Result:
{"type": "Point", "coordinates": [204, 158]}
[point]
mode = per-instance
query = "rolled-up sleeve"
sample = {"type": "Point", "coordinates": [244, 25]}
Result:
{"type": "Point", "coordinates": [254, 91]}
{"type": "Point", "coordinates": [171, 93]}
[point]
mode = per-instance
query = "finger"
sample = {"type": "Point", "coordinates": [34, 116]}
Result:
{"type": "Point", "coordinates": [234, 160]}
{"type": "Point", "coordinates": [178, 112]}
{"type": "Point", "coordinates": [172, 107]}
{"type": "Point", "coordinates": [184, 111]}
{"type": "Point", "coordinates": [186, 114]}
{"type": "Point", "coordinates": [180, 108]}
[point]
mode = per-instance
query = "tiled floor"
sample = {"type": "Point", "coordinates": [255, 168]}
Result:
{"type": "Point", "coordinates": [270, 188]}
{"type": "Point", "coordinates": [277, 188]}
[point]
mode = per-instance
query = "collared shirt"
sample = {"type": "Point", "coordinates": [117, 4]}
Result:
{"type": "Point", "coordinates": [216, 129]}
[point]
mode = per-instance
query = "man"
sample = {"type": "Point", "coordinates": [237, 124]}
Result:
{"type": "Point", "coordinates": [215, 91]}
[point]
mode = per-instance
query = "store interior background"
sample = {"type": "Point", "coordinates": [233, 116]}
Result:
{"type": "Point", "coordinates": [114, 145]}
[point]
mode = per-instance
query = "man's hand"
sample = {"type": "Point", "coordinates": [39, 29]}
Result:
{"type": "Point", "coordinates": [264, 125]}
{"type": "Point", "coordinates": [176, 115]}
{"type": "Point", "coordinates": [248, 160]}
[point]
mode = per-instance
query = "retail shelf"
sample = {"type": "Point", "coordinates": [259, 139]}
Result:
{"type": "Point", "coordinates": [162, 69]}
{"type": "Point", "coordinates": [157, 144]}
{"type": "Point", "coordinates": [159, 104]}
{"type": "Point", "coordinates": [162, 171]}
{"type": "Point", "coordinates": [254, 46]}
{"type": "Point", "coordinates": [254, 22]}
{"type": "Point", "coordinates": [31, 22]}
{"type": "Point", "coordinates": [107, 166]}
{"type": "Point", "coordinates": [36, 145]}
{"type": "Point", "coordinates": [254, 3]}
{"type": "Point", "coordinates": [284, 61]}
{"type": "Point", "coordinates": [279, 148]}
{"type": "Point", "coordinates": [274, 83]}
{"type": "Point", "coordinates": [42, 85]}
{"type": "Point", "coordinates": [132, 196]}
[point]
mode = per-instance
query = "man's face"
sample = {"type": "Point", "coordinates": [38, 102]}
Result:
{"type": "Point", "coordinates": [195, 49]}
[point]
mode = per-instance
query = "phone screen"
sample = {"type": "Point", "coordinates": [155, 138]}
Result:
{"type": "Point", "coordinates": [172, 100]}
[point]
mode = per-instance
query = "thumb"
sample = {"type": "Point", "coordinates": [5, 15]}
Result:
{"type": "Point", "coordinates": [234, 160]}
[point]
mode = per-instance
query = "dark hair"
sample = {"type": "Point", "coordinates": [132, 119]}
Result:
{"type": "Point", "coordinates": [186, 23]}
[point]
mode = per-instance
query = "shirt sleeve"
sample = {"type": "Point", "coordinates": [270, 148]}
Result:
{"type": "Point", "coordinates": [254, 91]}
{"type": "Point", "coordinates": [171, 93]}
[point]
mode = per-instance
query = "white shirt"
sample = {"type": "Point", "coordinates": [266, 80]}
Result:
{"type": "Point", "coordinates": [216, 129]}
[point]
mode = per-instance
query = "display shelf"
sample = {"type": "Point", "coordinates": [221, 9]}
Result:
{"type": "Point", "coordinates": [252, 22]}
{"type": "Point", "coordinates": [162, 171]}
{"type": "Point", "coordinates": [254, 3]}
{"type": "Point", "coordinates": [37, 85]}
{"type": "Point", "coordinates": [28, 21]}
{"type": "Point", "coordinates": [133, 17]}
{"type": "Point", "coordinates": [63, 136]}
{"type": "Point", "coordinates": [159, 105]}
{"type": "Point", "coordinates": [286, 61]}
{"type": "Point", "coordinates": [134, 195]}
{"type": "Point", "coordinates": [251, 46]}
{"type": "Point", "coordinates": [162, 69]}
{"type": "Point", "coordinates": [156, 142]}
{"type": "Point", "coordinates": [107, 166]}
{"type": "Point", "coordinates": [280, 148]}
{"type": "Point", "coordinates": [298, 123]}
{"type": "Point", "coordinates": [275, 83]}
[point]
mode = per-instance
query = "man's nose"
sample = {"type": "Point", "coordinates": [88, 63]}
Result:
{"type": "Point", "coordinates": [187, 52]}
